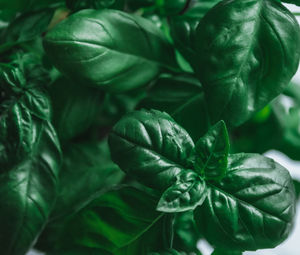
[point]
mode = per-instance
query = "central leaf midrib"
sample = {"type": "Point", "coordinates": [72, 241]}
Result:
{"type": "Point", "coordinates": [245, 202]}
{"type": "Point", "coordinates": [164, 157]}
{"type": "Point", "coordinates": [113, 50]}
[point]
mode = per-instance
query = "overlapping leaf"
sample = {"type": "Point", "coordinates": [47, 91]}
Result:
{"type": "Point", "coordinates": [251, 208]}
{"type": "Point", "coordinates": [129, 50]}
{"type": "Point", "coordinates": [258, 43]}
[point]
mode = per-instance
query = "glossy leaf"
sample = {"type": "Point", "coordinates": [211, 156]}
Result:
{"type": "Point", "coordinates": [158, 148]}
{"type": "Point", "coordinates": [99, 40]}
{"type": "Point", "coordinates": [186, 194]}
{"type": "Point", "coordinates": [22, 108]}
{"type": "Point", "coordinates": [258, 42]}
{"type": "Point", "coordinates": [212, 151]}
{"type": "Point", "coordinates": [182, 97]}
{"type": "Point", "coordinates": [87, 171]}
{"type": "Point", "coordinates": [28, 192]}
{"type": "Point", "coordinates": [251, 208]}
{"type": "Point", "coordinates": [75, 107]}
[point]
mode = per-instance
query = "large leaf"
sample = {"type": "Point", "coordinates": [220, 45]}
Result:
{"type": "Point", "coordinates": [251, 208]}
{"type": "Point", "coordinates": [212, 151]}
{"type": "Point", "coordinates": [182, 97]}
{"type": "Point", "coordinates": [22, 107]}
{"type": "Point", "coordinates": [116, 222]}
{"type": "Point", "coordinates": [87, 171]}
{"type": "Point", "coordinates": [258, 43]}
{"type": "Point", "coordinates": [129, 50]}
{"type": "Point", "coordinates": [28, 192]}
{"type": "Point", "coordinates": [75, 107]}
{"type": "Point", "coordinates": [158, 148]}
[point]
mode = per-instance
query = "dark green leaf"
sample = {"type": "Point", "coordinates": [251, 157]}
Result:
{"type": "Point", "coordinates": [22, 108]}
{"type": "Point", "coordinates": [75, 107]}
{"type": "Point", "coordinates": [166, 252]}
{"type": "Point", "coordinates": [129, 50]}
{"type": "Point", "coordinates": [183, 27]}
{"type": "Point", "coordinates": [28, 192]}
{"type": "Point", "coordinates": [286, 109]}
{"type": "Point", "coordinates": [226, 252]}
{"type": "Point", "coordinates": [87, 172]}
{"type": "Point", "coordinates": [115, 222]}
{"type": "Point", "coordinates": [158, 149]}
{"type": "Point", "coordinates": [182, 97]}
{"type": "Point", "coordinates": [212, 151]}
{"type": "Point", "coordinates": [251, 208]}
{"type": "Point", "coordinates": [26, 27]}
{"type": "Point", "coordinates": [114, 106]}
{"type": "Point", "coordinates": [171, 7]}
{"type": "Point", "coordinates": [296, 2]}
{"type": "Point", "coordinates": [186, 194]}
{"type": "Point", "coordinates": [94, 4]}
{"type": "Point", "coordinates": [258, 43]}
{"type": "Point", "coordinates": [186, 234]}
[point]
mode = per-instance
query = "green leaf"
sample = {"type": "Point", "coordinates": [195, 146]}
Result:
{"type": "Point", "coordinates": [182, 97]}
{"type": "Point", "coordinates": [129, 50]}
{"type": "Point", "coordinates": [94, 167]}
{"type": "Point", "coordinates": [183, 27]}
{"type": "Point", "coordinates": [75, 107]}
{"type": "Point", "coordinates": [94, 4]}
{"type": "Point", "coordinates": [26, 27]}
{"type": "Point", "coordinates": [158, 149]}
{"type": "Point", "coordinates": [166, 252]}
{"type": "Point", "coordinates": [28, 192]}
{"type": "Point", "coordinates": [286, 109]}
{"type": "Point", "coordinates": [186, 234]}
{"type": "Point", "coordinates": [22, 109]}
{"type": "Point", "coordinates": [258, 42]}
{"type": "Point", "coordinates": [186, 194]}
{"type": "Point", "coordinates": [251, 208]}
{"type": "Point", "coordinates": [226, 252]}
{"type": "Point", "coordinates": [115, 222]}
{"type": "Point", "coordinates": [212, 152]}
{"type": "Point", "coordinates": [296, 2]}
{"type": "Point", "coordinates": [171, 7]}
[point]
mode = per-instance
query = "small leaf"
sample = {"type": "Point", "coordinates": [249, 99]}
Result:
{"type": "Point", "coordinates": [186, 194]}
{"type": "Point", "coordinates": [212, 152]}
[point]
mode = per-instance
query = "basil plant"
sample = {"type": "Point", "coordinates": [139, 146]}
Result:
{"type": "Point", "coordinates": [138, 127]}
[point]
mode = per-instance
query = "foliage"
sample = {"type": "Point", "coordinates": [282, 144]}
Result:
{"type": "Point", "coordinates": [136, 127]}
